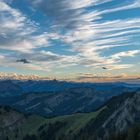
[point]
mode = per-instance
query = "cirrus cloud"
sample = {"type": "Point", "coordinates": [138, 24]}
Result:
{"type": "Point", "coordinates": [76, 34]}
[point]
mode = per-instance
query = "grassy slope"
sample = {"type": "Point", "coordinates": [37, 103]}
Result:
{"type": "Point", "coordinates": [73, 124]}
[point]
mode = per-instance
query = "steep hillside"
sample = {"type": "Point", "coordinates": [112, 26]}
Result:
{"type": "Point", "coordinates": [114, 118]}
{"type": "Point", "coordinates": [120, 113]}
{"type": "Point", "coordinates": [59, 103]}
{"type": "Point", "coordinates": [68, 101]}
{"type": "Point", "coordinates": [15, 125]}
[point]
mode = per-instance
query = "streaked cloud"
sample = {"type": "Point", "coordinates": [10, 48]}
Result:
{"type": "Point", "coordinates": [83, 34]}
{"type": "Point", "coordinates": [106, 77]}
{"type": "Point", "coordinates": [24, 61]}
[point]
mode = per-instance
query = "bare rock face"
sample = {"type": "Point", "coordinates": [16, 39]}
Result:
{"type": "Point", "coordinates": [119, 114]}
{"type": "Point", "coordinates": [9, 120]}
{"type": "Point", "coordinates": [127, 114]}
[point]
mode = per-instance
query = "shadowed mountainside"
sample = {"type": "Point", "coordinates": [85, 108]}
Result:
{"type": "Point", "coordinates": [114, 118]}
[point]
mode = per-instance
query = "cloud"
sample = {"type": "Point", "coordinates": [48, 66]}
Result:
{"type": "Point", "coordinates": [7, 62]}
{"type": "Point", "coordinates": [119, 66]}
{"type": "Point", "coordinates": [67, 13]}
{"type": "Point", "coordinates": [24, 61]}
{"type": "Point", "coordinates": [87, 33]}
{"type": "Point", "coordinates": [17, 31]}
{"type": "Point", "coordinates": [131, 53]}
{"type": "Point", "coordinates": [105, 68]}
{"type": "Point", "coordinates": [129, 5]}
{"type": "Point", "coordinates": [79, 25]}
{"type": "Point", "coordinates": [12, 27]}
{"type": "Point", "coordinates": [105, 77]}
{"type": "Point", "coordinates": [16, 76]}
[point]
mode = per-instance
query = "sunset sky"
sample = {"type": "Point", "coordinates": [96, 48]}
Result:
{"type": "Point", "coordinates": [70, 38]}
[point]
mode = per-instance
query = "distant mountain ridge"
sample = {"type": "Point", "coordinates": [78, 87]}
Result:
{"type": "Point", "coordinates": [9, 88]}
{"type": "Point", "coordinates": [61, 103]}
{"type": "Point", "coordinates": [53, 98]}
{"type": "Point", "coordinates": [54, 85]}
{"type": "Point", "coordinates": [26, 86]}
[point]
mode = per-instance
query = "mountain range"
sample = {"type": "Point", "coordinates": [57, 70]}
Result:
{"type": "Point", "coordinates": [54, 98]}
{"type": "Point", "coordinates": [60, 110]}
{"type": "Point", "coordinates": [112, 120]}
{"type": "Point", "coordinates": [20, 87]}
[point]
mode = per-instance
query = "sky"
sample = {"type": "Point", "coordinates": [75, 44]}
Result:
{"type": "Point", "coordinates": [70, 39]}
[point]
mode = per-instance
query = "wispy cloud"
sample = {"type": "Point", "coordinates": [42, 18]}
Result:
{"type": "Point", "coordinates": [80, 25]}
{"type": "Point", "coordinates": [106, 77]}
{"type": "Point", "coordinates": [129, 5]}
